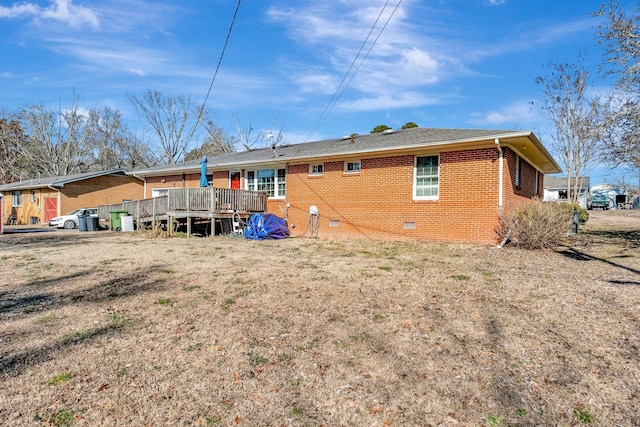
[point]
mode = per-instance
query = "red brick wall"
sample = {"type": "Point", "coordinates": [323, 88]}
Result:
{"type": "Point", "coordinates": [517, 196]}
{"type": "Point", "coordinates": [377, 202]}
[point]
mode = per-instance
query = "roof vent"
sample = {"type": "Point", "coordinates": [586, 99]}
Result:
{"type": "Point", "coordinates": [344, 138]}
{"type": "Point", "coordinates": [388, 131]}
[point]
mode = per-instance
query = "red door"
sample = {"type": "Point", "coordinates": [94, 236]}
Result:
{"type": "Point", "coordinates": [50, 208]}
{"type": "Point", "coordinates": [234, 177]}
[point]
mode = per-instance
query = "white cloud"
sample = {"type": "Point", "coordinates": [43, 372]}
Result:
{"type": "Point", "coordinates": [18, 10]}
{"type": "Point", "coordinates": [515, 114]}
{"type": "Point", "coordinates": [389, 101]}
{"type": "Point", "coordinates": [403, 60]}
{"type": "Point", "coordinates": [60, 10]}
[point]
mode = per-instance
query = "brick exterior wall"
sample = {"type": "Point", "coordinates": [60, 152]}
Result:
{"type": "Point", "coordinates": [377, 202]}
{"type": "Point", "coordinates": [88, 193]}
{"type": "Point", "coordinates": [516, 196]}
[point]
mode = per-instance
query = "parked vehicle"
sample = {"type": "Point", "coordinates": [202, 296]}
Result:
{"type": "Point", "coordinates": [71, 220]}
{"type": "Point", "coordinates": [598, 201]}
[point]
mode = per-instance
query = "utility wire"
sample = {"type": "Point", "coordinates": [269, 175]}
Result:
{"type": "Point", "coordinates": [370, 48]}
{"type": "Point", "coordinates": [342, 87]}
{"type": "Point", "coordinates": [215, 74]}
{"type": "Point", "coordinates": [329, 105]}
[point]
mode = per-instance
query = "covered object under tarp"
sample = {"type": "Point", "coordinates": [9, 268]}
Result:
{"type": "Point", "coordinates": [266, 226]}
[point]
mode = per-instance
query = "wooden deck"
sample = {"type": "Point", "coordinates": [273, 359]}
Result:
{"type": "Point", "coordinates": [192, 206]}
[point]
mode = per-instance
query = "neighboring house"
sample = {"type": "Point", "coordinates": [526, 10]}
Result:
{"type": "Point", "coordinates": [556, 190]}
{"type": "Point", "coordinates": [40, 199]}
{"type": "Point", "coordinates": [414, 184]}
{"type": "Point", "coordinates": [618, 197]}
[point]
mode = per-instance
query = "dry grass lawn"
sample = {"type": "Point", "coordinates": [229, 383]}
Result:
{"type": "Point", "coordinates": [122, 329]}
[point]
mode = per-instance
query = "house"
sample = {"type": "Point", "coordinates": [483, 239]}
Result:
{"type": "Point", "coordinates": [446, 185]}
{"type": "Point", "coordinates": [556, 190]}
{"type": "Point", "coordinates": [618, 197]}
{"type": "Point", "coordinates": [38, 200]}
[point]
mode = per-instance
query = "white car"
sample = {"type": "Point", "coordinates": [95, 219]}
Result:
{"type": "Point", "coordinates": [71, 220]}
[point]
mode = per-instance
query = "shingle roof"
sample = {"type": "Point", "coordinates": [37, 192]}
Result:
{"type": "Point", "coordinates": [346, 146]}
{"type": "Point", "coordinates": [57, 181]}
{"type": "Point", "coordinates": [552, 183]}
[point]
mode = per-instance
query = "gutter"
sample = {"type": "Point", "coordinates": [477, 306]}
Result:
{"type": "Point", "coordinates": [500, 174]}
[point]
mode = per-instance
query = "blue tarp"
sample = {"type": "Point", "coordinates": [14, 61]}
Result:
{"type": "Point", "coordinates": [266, 226]}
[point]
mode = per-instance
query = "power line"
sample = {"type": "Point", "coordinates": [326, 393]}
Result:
{"type": "Point", "coordinates": [370, 48]}
{"type": "Point", "coordinates": [215, 74]}
{"type": "Point", "coordinates": [342, 87]}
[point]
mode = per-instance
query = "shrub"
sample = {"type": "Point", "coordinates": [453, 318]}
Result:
{"type": "Point", "coordinates": [582, 212]}
{"type": "Point", "coordinates": [536, 225]}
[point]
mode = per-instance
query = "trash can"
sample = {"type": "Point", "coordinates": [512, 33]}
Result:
{"type": "Point", "coordinates": [116, 224]}
{"type": "Point", "coordinates": [93, 223]}
{"type": "Point", "coordinates": [82, 222]}
{"type": "Point", "coordinates": [126, 222]}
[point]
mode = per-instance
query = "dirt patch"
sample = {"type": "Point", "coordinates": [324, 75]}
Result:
{"type": "Point", "coordinates": [120, 329]}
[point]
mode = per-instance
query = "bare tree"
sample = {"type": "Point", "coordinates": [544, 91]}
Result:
{"type": "Point", "coordinates": [113, 146]}
{"type": "Point", "coordinates": [59, 141]}
{"type": "Point", "coordinates": [251, 140]}
{"type": "Point", "coordinates": [578, 120]}
{"type": "Point", "coordinates": [246, 135]}
{"type": "Point", "coordinates": [12, 137]}
{"type": "Point", "coordinates": [216, 143]}
{"type": "Point", "coordinates": [173, 119]}
{"type": "Point", "coordinates": [620, 36]}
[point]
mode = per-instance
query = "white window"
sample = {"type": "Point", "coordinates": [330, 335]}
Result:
{"type": "Point", "coordinates": [16, 198]}
{"type": "Point", "coordinates": [426, 172]}
{"type": "Point", "coordinates": [157, 192]}
{"type": "Point", "coordinates": [353, 166]}
{"type": "Point", "coordinates": [271, 181]}
{"type": "Point", "coordinates": [316, 169]}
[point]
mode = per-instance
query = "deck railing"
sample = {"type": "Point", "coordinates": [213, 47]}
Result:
{"type": "Point", "coordinates": [206, 199]}
{"type": "Point", "coordinates": [144, 208]}
{"type": "Point", "coordinates": [211, 199]}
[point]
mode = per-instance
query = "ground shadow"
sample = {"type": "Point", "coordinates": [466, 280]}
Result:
{"type": "Point", "coordinates": [37, 295]}
{"type": "Point", "coordinates": [16, 363]}
{"type": "Point", "coordinates": [575, 254]}
{"type": "Point", "coordinates": [14, 305]}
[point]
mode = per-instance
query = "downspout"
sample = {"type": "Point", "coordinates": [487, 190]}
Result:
{"type": "Point", "coordinates": [500, 174]}
{"type": "Point", "coordinates": [58, 200]}
{"type": "Point", "coordinates": [144, 180]}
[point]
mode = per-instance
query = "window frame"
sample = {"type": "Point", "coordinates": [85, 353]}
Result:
{"type": "Point", "coordinates": [352, 162]}
{"type": "Point", "coordinates": [518, 180]}
{"type": "Point", "coordinates": [279, 181]}
{"type": "Point", "coordinates": [316, 172]}
{"type": "Point", "coordinates": [16, 198]}
{"type": "Point", "coordinates": [415, 178]}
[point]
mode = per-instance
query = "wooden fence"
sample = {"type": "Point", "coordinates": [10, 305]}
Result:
{"type": "Point", "coordinates": [206, 199]}
{"type": "Point", "coordinates": [141, 209]}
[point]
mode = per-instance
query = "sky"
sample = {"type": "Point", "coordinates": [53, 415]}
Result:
{"type": "Point", "coordinates": [311, 69]}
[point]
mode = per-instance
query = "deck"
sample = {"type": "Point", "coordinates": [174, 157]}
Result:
{"type": "Point", "coordinates": [192, 207]}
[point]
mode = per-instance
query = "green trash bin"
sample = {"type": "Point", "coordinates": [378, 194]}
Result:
{"type": "Point", "coordinates": [116, 224]}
